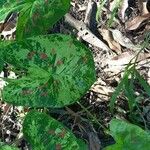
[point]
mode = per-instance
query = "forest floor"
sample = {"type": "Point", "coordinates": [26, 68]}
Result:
{"type": "Point", "coordinates": [115, 34]}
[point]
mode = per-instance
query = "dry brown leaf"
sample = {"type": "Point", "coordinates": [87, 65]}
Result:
{"type": "Point", "coordinates": [144, 10]}
{"type": "Point", "coordinates": [123, 8]}
{"type": "Point", "coordinates": [136, 22]}
{"type": "Point", "coordinates": [107, 35]}
{"type": "Point", "coordinates": [123, 40]}
{"type": "Point", "coordinates": [126, 57]}
{"type": "Point", "coordinates": [118, 63]}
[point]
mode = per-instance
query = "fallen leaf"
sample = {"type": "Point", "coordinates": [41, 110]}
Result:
{"type": "Point", "coordinates": [123, 40]}
{"type": "Point", "coordinates": [136, 22]}
{"type": "Point", "coordinates": [123, 8]}
{"type": "Point", "coordinates": [107, 35]}
{"type": "Point", "coordinates": [126, 57]}
{"type": "Point", "coordinates": [145, 10]}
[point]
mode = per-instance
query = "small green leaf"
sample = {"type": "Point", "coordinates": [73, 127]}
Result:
{"type": "Point", "coordinates": [58, 71]}
{"type": "Point", "coordinates": [45, 133]}
{"type": "Point", "coordinates": [128, 136]}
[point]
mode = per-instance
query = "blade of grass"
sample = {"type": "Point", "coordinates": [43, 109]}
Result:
{"type": "Point", "coordinates": [99, 11]}
{"type": "Point", "coordinates": [119, 87]}
{"type": "Point", "coordinates": [144, 84]}
{"type": "Point", "coordinates": [129, 91]}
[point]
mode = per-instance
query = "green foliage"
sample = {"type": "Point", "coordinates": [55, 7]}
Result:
{"type": "Point", "coordinates": [143, 83]}
{"type": "Point", "coordinates": [119, 89]}
{"type": "Point", "coordinates": [35, 16]}
{"type": "Point", "coordinates": [45, 133]}
{"type": "Point", "coordinates": [59, 71]}
{"type": "Point", "coordinates": [126, 85]}
{"type": "Point", "coordinates": [116, 5]}
{"type": "Point", "coordinates": [54, 71]}
{"type": "Point", "coordinates": [128, 136]}
{"type": "Point", "coordinates": [7, 147]}
{"type": "Point", "coordinates": [7, 7]}
{"type": "Point", "coordinates": [99, 10]}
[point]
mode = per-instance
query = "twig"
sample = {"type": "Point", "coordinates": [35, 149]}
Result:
{"type": "Point", "coordinates": [85, 33]}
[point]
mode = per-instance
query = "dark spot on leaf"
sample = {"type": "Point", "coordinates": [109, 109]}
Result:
{"type": "Point", "coordinates": [62, 134]}
{"type": "Point", "coordinates": [52, 132]}
{"type": "Point", "coordinates": [31, 54]}
{"type": "Point", "coordinates": [27, 92]}
{"type": "Point", "coordinates": [43, 85]}
{"type": "Point", "coordinates": [43, 56]}
{"type": "Point", "coordinates": [59, 62]}
{"type": "Point", "coordinates": [44, 94]}
{"type": "Point", "coordinates": [58, 147]}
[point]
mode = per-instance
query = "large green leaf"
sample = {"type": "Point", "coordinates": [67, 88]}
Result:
{"type": "Point", "coordinates": [128, 136]}
{"type": "Point", "coordinates": [58, 71]}
{"type": "Point", "coordinates": [45, 133]}
{"type": "Point", "coordinates": [35, 16]}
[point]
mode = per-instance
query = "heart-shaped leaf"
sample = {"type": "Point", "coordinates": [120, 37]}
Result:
{"type": "Point", "coordinates": [128, 136]}
{"type": "Point", "coordinates": [35, 16]}
{"type": "Point", "coordinates": [45, 133]}
{"type": "Point", "coordinates": [58, 70]}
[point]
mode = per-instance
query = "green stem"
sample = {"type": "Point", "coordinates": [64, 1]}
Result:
{"type": "Point", "coordinates": [93, 117]}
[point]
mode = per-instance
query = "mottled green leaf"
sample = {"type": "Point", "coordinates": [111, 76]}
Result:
{"type": "Point", "coordinates": [128, 136]}
{"type": "Point", "coordinates": [3, 146]}
{"type": "Point", "coordinates": [58, 71]}
{"type": "Point", "coordinates": [1, 64]}
{"type": "Point", "coordinates": [35, 16]}
{"type": "Point", "coordinates": [2, 45]}
{"type": "Point", "coordinates": [45, 133]}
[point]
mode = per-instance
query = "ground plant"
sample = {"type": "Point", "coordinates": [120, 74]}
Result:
{"type": "Point", "coordinates": [54, 71]}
